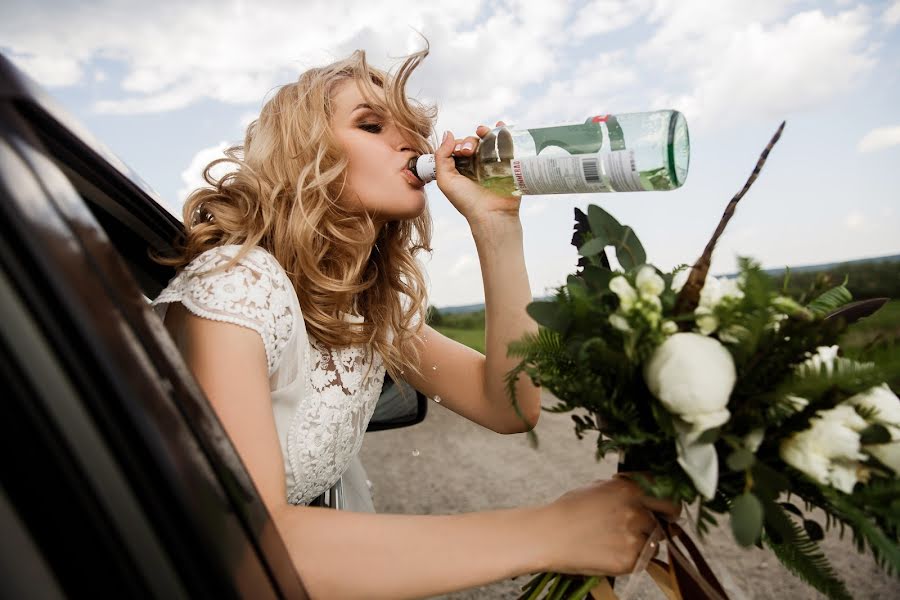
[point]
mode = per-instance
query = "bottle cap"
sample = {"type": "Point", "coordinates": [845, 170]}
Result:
{"type": "Point", "coordinates": [423, 167]}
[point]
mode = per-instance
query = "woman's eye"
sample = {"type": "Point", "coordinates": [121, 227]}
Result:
{"type": "Point", "coordinates": [371, 127]}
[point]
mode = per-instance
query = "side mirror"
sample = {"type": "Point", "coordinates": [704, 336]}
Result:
{"type": "Point", "coordinates": [400, 405]}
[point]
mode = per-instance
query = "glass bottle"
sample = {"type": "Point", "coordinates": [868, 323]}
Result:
{"type": "Point", "coordinates": [631, 152]}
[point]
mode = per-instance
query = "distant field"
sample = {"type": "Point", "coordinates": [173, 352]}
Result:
{"type": "Point", "coordinates": [473, 338]}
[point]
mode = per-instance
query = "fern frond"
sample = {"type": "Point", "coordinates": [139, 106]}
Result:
{"type": "Point", "coordinates": [865, 531]}
{"type": "Point", "coordinates": [830, 300]}
{"type": "Point", "coordinates": [801, 555]}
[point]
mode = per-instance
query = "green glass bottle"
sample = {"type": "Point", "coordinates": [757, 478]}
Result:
{"type": "Point", "coordinates": [632, 152]}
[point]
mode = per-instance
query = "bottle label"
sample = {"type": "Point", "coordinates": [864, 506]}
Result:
{"type": "Point", "coordinates": [579, 174]}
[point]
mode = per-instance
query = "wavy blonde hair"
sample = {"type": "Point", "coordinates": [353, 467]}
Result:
{"type": "Point", "coordinates": [283, 196]}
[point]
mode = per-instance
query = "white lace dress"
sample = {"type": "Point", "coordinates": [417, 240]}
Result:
{"type": "Point", "coordinates": [322, 398]}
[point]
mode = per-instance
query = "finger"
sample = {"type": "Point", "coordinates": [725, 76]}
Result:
{"type": "Point", "coordinates": [664, 508]}
{"type": "Point", "coordinates": [482, 130]}
{"type": "Point", "coordinates": [501, 124]}
{"type": "Point", "coordinates": [443, 155]}
{"type": "Point", "coordinates": [466, 147]}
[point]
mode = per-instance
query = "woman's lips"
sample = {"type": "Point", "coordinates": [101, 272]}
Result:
{"type": "Point", "coordinates": [412, 179]}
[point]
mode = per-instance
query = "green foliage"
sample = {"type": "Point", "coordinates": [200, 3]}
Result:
{"type": "Point", "coordinates": [746, 519]}
{"type": "Point", "coordinates": [802, 556]}
{"type": "Point", "coordinates": [867, 530]}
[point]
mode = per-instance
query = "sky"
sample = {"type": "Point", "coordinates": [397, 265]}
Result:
{"type": "Point", "coordinates": [167, 85]}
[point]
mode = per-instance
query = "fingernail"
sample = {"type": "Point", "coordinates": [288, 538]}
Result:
{"type": "Point", "coordinates": [446, 135]}
{"type": "Point", "coordinates": [457, 148]}
{"type": "Point", "coordinates": [468, 146]}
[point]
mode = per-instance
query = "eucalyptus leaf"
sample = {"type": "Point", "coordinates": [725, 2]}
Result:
{"type": "Point", "coordinates": [576, 286]}
{"type": "Point", "coordinates": [597, 278]}
{"type": "Point", "coordinates": [746, 519]}
{"type": "Point", "coordinates": [549, 314]}
{"type": "Point", "coordinates": [604, 226]}
{"type": "Point", "coordinates": [592, 247]}
{"type": "Point", "coordinates": [740, 460]}
{"type": "Point", "coordinates": [629, 250]}
{"type": "Point", "coordinates": [767, 481]}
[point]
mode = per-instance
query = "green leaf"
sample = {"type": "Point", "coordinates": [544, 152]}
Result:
{"type": "Point", "coordinates": [801, 555]}
{"type": "Point", "coordinates": [791, 508]}
{"type": "Point", "coordinates": [830, 300]}
{"type": "Point", "coordinates": [740, 460]}
{"type": "Point", "coordinates": [592, 247]}
{"type": "Point", "coordinates": [629, 250]}
{"type": "Point", "coordinates": [604, 226]}
{"type": "Point", "coordinates": [746, 519]}
{"type": "Point", "coordinates": [576, 286]}
{"type": "Point", "coordinates": [813, 530]}
{"type": "Point", "coordinates": [767, 482]}
{"type": "Point", "coordinates": [549, 314]}
{"type": "Point", "coordinates": [597, 278]}
{"type": "Point", "coordinates": [875, 434]}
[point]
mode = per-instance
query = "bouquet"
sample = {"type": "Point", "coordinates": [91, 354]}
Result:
{"type": "Point", "coordinates": [731, 393]}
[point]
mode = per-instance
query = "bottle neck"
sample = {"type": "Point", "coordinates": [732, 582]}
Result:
{"type": "Point", "coordinates": [423, 167]}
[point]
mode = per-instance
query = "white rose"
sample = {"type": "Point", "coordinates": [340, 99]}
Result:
{"type": "Point", "coordinates": [627, 295]}
{"type": "Point", "coordinates": [648, 283]}
{"type": "Point", "coordinates": [799, 452]}
{"type": "Point", "coordinates": [693, 375]}
{"type": "Point", "coordinates": [883, 402]}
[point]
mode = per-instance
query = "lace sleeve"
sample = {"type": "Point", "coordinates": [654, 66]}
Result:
{"type": "Point", "coordinates": [254, 293]}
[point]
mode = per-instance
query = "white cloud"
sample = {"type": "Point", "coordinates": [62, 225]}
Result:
{"type": "Point", "coordinates": [192, 176]}
{"type": "Point", "coordinates": [464, 263]}
{"type": "Point", "coordinates": [605, 16]}
{"type": "Point", "coordinates": [891, 15]}
{"type": "Point", "coordinates": [879, 139]}
{"type": "Point", "coordinates": [740, 67]}
{"type": "Point", "coordinates": [49, 71]}
{"type": "Point", "coordinates": [855, 220]}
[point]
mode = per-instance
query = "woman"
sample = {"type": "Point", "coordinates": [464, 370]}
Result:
{"type": "Point", "coordinates": [298, 288]}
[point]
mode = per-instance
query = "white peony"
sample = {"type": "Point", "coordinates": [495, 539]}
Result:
{"type": "Point", "coordinates": [693, 375]}
{"type": "Point", "coordinates": [888, 454]}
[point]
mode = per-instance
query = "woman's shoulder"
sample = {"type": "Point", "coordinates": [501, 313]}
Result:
{"type": "Point", "coordinates": [253, 291]}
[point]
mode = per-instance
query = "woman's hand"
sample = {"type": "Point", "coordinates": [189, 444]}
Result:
{"type": "Point", "coordinates": [601, 528]}
{"type": "Point", "coordinates": [477, 204]}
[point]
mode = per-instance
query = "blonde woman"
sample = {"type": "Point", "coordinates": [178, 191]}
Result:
{"type": "Point", "coordinates": [297, 288]}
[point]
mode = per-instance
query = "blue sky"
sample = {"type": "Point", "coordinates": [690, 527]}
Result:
{"type": "Point", "coordinates": [165, 85]}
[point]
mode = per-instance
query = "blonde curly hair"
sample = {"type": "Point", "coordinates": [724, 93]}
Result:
{"type": "Point", "coordinates": [282, 195]}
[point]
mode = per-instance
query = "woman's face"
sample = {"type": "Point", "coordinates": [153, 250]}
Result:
{"type": "Point", "coordinates": [378, 180]}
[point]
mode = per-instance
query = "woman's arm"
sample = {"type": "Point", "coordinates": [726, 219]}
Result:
{"type": "Point", "coordinates": [467, 382]}
{"type": "Point", "coordinates": [599, 528]}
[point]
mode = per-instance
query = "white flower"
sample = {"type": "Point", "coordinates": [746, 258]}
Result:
{"type": "Point", "coordinates": [797, 402]}
{"type": "Point", "coordinates": [669, 327]}
{"type": "Point", "coordinates": [753, 439]}
{"type": "Point", "coordinates": [825, 356]}
{"type": "Point", "coordinates": [888, 454]}
{"type": "Point", "coordinates": [886, 407]}
{"type": "Point", "coordinates": [627, 295]}
{"type": "Point", "coordinates": [693, 376]}
{"type": "Point", "coordinates": [707, 322]}
{"type": "Point", "coordinates": [649, 284]}
{"type": "Point", "coordinates": [679, 279]}
{"type": "Point", "coordinates": [883, 402]}
{"type": "Point", "coordinates": [827, 452]}
{"type": "Point", "coordinates": [619, 322]}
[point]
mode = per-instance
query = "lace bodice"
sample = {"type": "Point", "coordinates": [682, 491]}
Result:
{"type": "Point", "coordinates": [322, 398]}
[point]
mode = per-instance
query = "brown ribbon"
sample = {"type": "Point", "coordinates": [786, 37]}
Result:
{"type": "Point", "coordinates": [687, 575]}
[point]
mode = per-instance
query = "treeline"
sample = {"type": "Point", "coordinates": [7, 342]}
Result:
{"type": "Point", "coordinates": [864, 280]}
{"type": "Point", "coordinates": [876, 279]}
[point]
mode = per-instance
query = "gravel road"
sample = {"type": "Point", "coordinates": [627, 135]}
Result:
{"type": "Point", "coordinates": [449, 465]}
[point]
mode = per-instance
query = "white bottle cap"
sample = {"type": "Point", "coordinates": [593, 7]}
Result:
{"type": "Point", "coordinates": [425, 168]}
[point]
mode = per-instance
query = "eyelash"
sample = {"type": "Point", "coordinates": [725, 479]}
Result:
{"type": "Point", "coordinates": [371, 127]}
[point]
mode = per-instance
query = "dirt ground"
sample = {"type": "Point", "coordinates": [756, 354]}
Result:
{"type": "Point", "coordinates": [449, 465]}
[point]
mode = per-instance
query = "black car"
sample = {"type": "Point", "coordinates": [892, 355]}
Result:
{"type": "Point", "coordinates": [118, 479]}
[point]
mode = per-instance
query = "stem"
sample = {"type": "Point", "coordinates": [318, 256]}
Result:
{"type": "Point", "coordinates": [540, 587]}
{"type": "Point", "coordinates": [585, 588]}
{"type": "Point", "coordinates": [559, 588]}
